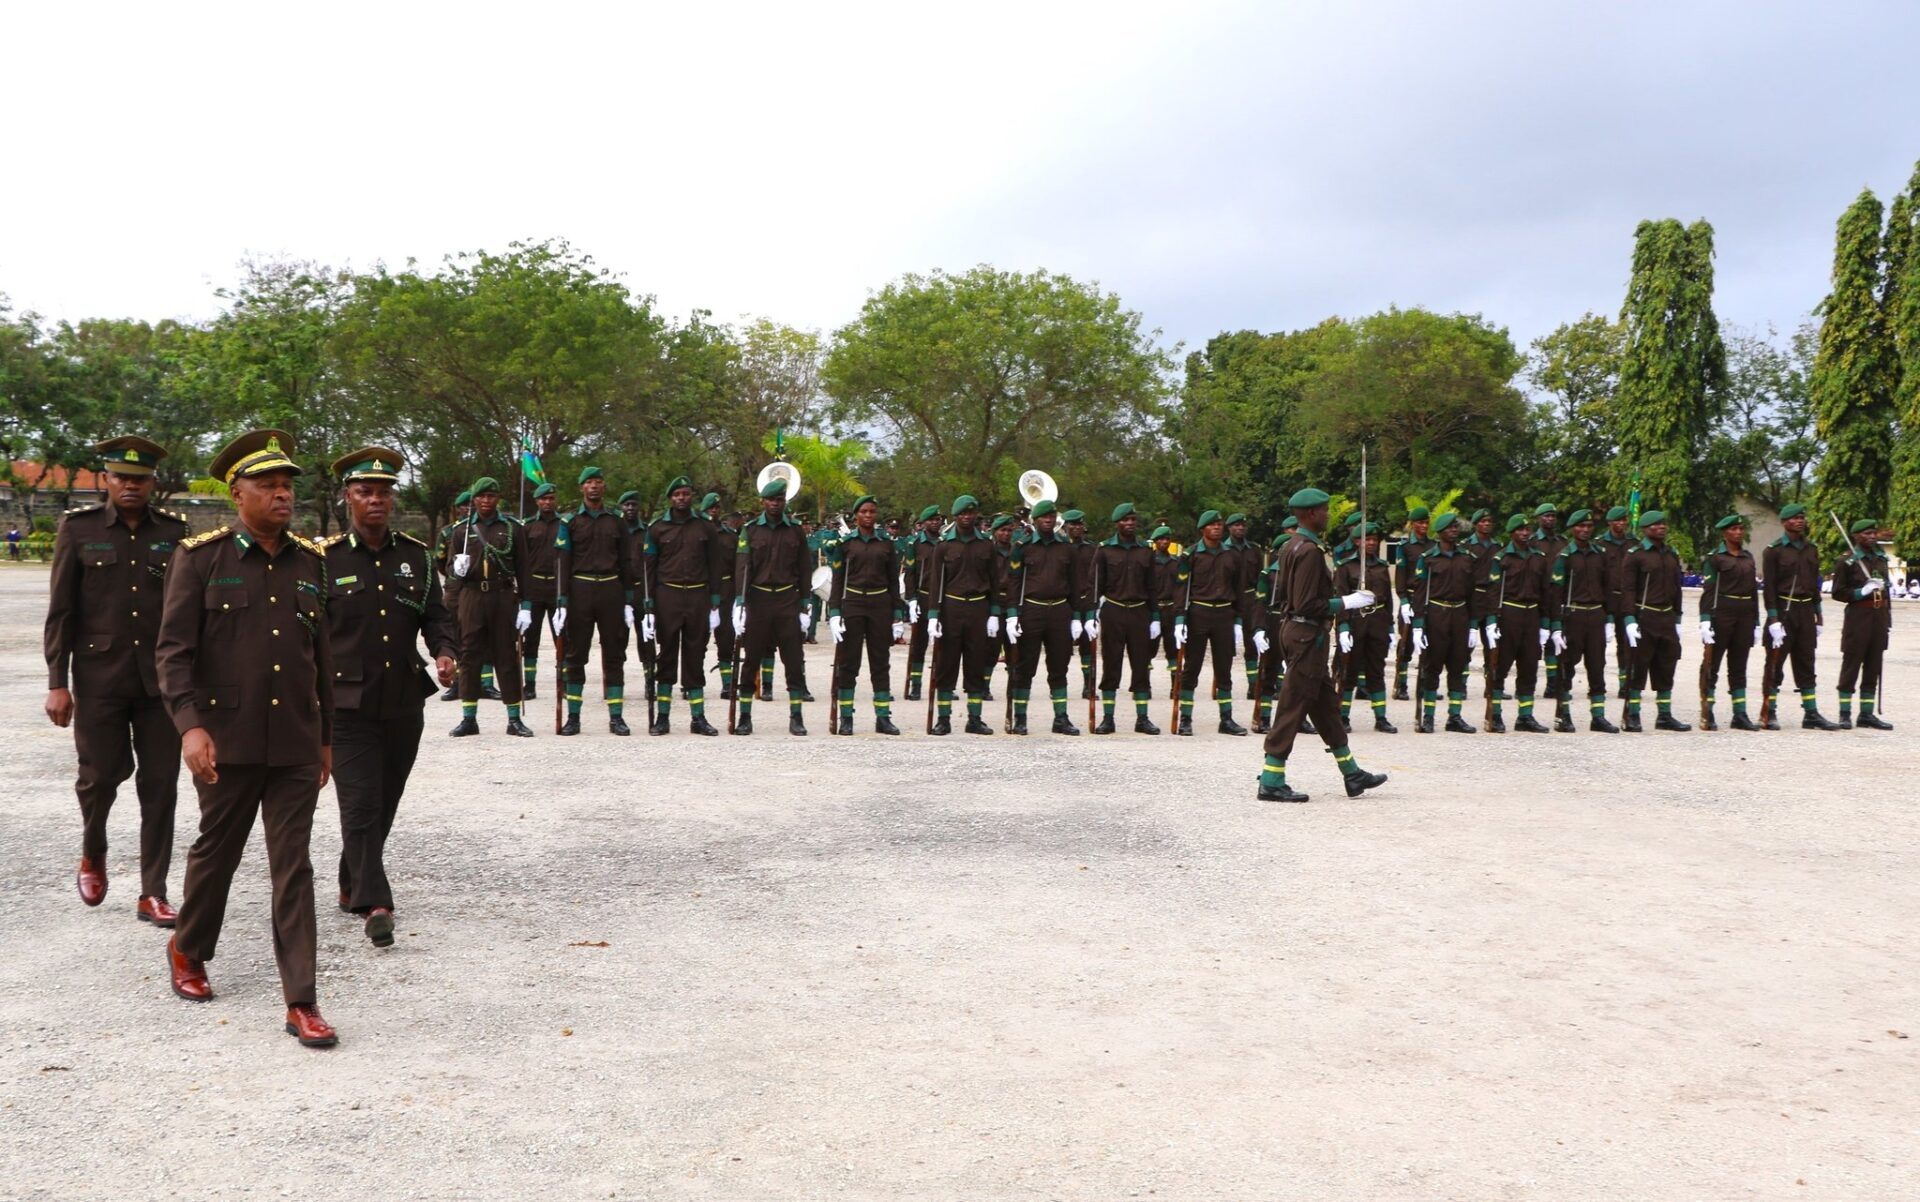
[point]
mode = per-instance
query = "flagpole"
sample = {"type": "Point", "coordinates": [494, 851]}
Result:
{"type": "Point", "coordinates": [523, 477]}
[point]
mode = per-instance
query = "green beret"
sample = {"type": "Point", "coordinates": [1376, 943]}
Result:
{"type": "Point", "coordinates": [1073, 515]}
{"type": "Point", "coordinates": [1518, 521]}
{"type": "Point", "coordinates": [1373, 528]}
{"type": "Point", "coordinates": [1578, 516]}
{"type": "Point", "coordinates": [1862, 526]}
{"type": "Point", "coordinates": [632, 494]}
{"type": "Point", "coordinates": [929, 513]}
{"type": "Point", "coordinates": [1307, 498]}
{"type": "Point", "coordinates": [962, 503]}
{"type": "Point", "coordinates": [679, 482]}
{"type": "Point", "coordinates": [1004, 519]}
{"type": "Point", "coordinates": [1236, 518]}
{"type": "Point", "coordinates": [485, 484]}
{"type": "Point", "coordinates": [591, 473]}
{"type": "Point", "coordinates": [709, 501]}
{"type": "Point", "coordinates": [545, 490]}
{"type": "Point", "coordinates": [1547, 510]}
{"type": "Point", "coordinates": [1652, 516]}
{"type": "Point", "coordinates": [776, 487]}
{"type": "Point", "coordinates": [1795, 510]}
{"type": "Point", "coordinates": [465, 498]}
{"type": "Point", "coordinates": [1617, 514]}
{"type": "Point", "coordinates": [1043, 508]}
{"type": "Point", "coordinates": [1732, 519]}
{"type": "Point", "coordinates": [1446, 520]}
{"type": "Point", "coordinates": [1420, 514]}
{"type": "Point", "coordinates": [1351, 520]}
{"type": "Point", "coordinates": [1208, 518]}
{"type": "Point", "coordinates": [869, 499]}
{"type": "Point", "coordinates": [1481, 513]}
{"type": "Point", "coordinates": [1122, 510]}
{"type": "Point", "coordinates": [1160, 532]}
{"type": "Point", "coordinates": [1280, 539]}
{"type": "Point", "coordinates": [1290, 523]}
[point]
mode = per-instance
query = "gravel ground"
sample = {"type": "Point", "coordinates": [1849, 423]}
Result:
{"type": "Point", "coordinates": [1664, 966]}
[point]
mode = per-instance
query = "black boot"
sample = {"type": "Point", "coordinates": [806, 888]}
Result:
{"type": "Point", "coordinates": [618, 725]}
{"type": "Point", "coordinates": [518, 729]}
{"type": "Point", "coordinates": [1185, 726]}
{"type": "Point", "coordinates": [467, 727]}
{"type": "Point", "coordinates": [1229, 727]}
{"type": "Point", "coordinates": [1456, 725]}
{"type": "Point", "coordinates": [571, 726]}
{"type": "Point", "coordinates": [452, 693]}
{"type": "Point", "coordinates": [1360, 782]}
{"type": "Point", "coordinates": [795, 726]}
{"type": "Point", "coordinates": [1873, 721]}
{"type": "Point", "coordinates": [743, 725]}
{"type": "Point", "coordinates": [978, 726]}
{"type": "Point", "coordinates": [844, 726]}
{"type": "Point", "coordinates": [1063, 725]}
{"type": "Point", "coordinates": [1844, 722]}
{"type": "Point", "coordinates": [1811, 720]}
{"type": "Point", "coordinates": [726, 691]}
{"type": "Point", "coordinates": [804, 696]}
{"type": "Point", "coordinates": [1105, 727]}
{"type": "Point", "coordinates": [700, 726]}
{"type": "Point", "coordinates": [913, 692]}
{"type": "Point", "coordinates": [1496, 725]}
{"type": "Point", "coordinates": [1019, 726]}
{"type": "Point", "coordinates": [1382, 726]}
{"type": "Point", "coordinates": [1306, 727]}
{"type": "Point", "coordinates": [883, 725]}
{"type": "Point", "coordinates": [942, 726]}
{"type": "Point", "coordinates": [529, 692]}
{"type": "Point", "coordinates": [1527, 724]}
{"type": "Point", "coordinates": [1770, 724]}
{"type": "Point", "coordinates": [1599, 724]}
{"type": "Point", "coordinates": [1707, 722]}
{"type": "Point", "coordinates": [1563, 721]}
{"type": "Point", "coordinates": [1423, 726]}
{"type": "Point", "coordinates": [1741, 722]}
{"type": "Point", "coordinates": [1400, 690]}
{"type": "Point", "coordinates": [1632, 724]}
{"type": "Point", "coordinates": [1346, 723]}
{"type": "Point", "coordinates": [1282, 793]}
{"type": "Point", "coordinates": [986, 694]}
{"type": "Point", "coordinates": [1669, 722]}
{"type": "Point", "coordinates": [1145, 726]}
{"type": "Point", "coordinates": [659, 725]}
{"type": "Point", "coordinates": [490, 693]}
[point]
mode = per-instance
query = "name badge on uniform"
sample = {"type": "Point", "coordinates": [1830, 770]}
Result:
{"type": "Point", "coordinates": [340, 580]}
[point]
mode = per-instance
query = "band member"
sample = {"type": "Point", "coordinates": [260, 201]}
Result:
{"type": "Point", "coordinates": [489, 557]}
{"type": "Point", "coordinates": [1443, 634]}
{"type": "Point", "coordinates": [687, 553]}
{"type": "Point", "coordinates": [1860, 582]}
{"type": "Point", "coordinates": [1517, 622]}
{"type": "Point", "coordinates": [246, 668]}
{"type": "Point", "coordinates": [1364, 633]}
{"type": "Point", "coordinates": [771, 568]}
{"type": "Point", "coordinates": [1583, 597]}
{"type": "Point", "coordinates": [1406, 559]}
{"type": "Point", "coordinates": [103, 618]}
{"type": "Point", "coordinates": [915, 558]}
{"type": "Point", "coordinates": [543, 589]}
{"type": "Point", "coordinates": [865, 611]}
{"type": "Point", "coordinates": [1074, 523]}
{"type": "Point", "coordinates": [1120, 583]}
{"type": "Point", "coordinates": [1307, 605]}
{"type": "Point", "coordinates": [596, 597]}
{"type": "Point", "coordinates": [1209, 617]}
{"type": "Point", "coordinates": [963, 615]}
{"type": "Point", "coordinates": [1729, 615]}
{"type": "Point", "coordinates": [1791, 569]}
{"type": "Point", "coordinates": [1041, 600]}
{"type": "Point", "coordinates": [383, 600]}
{"type": "Point", "coordinates": [1651, 585]}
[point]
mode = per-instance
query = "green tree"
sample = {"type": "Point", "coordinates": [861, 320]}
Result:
{"type": "Point", "coordinates": [1852, 385]}
{"type": "Point", "coordinates": [774, 385]}
{"type": "Point", "coordinates": [1577, 367]}
{"type": "Point", "coordinates": [1673, 370]}
{"type": "Point", "coordinates": [1766, 429]}
{"type": "Point", "coordinates": [1901, 309]}
{"type": "Point", "coordinates": [827, 470]}
{"type": "Point", "coordinates": [127, 378]}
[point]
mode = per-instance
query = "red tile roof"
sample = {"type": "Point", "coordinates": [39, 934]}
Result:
{"type": "Point", "coordinates": [28, 474]}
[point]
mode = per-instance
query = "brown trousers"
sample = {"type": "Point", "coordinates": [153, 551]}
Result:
{"type": "Point", "coordinates": [1803, 636]}
{"type": "Point", "coordinates": [1306, 691]}
{"type": "Point", "coordinates": [1586, 634]}
{"type": "Point", "coordinates": [680, 624]}
{"type": "Point", "coordinates": [487, 636]}
{"type": "Point", "coordinates": [1864, 632]}
{"type": "Point", "coordinates": [284, 798]}
{"type": "Point", "coordinates": [118, 737]}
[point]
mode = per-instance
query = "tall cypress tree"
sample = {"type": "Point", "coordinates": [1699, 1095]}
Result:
{"type": "Point", "coordinates": [1900, 307]}
{"type": "Point", "coordinates": [1853, 376]}
{"type": "Point", "coordinates": [1674, 370]}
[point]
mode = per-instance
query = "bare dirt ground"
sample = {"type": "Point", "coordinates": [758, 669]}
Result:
{"type": "Point", "coordinates": [1563, 967]}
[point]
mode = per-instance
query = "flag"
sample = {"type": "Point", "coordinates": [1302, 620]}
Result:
{"type": "Point", "coordinates": [1633, 503]}
{"type": "Point", "coordinates": [530, 463]}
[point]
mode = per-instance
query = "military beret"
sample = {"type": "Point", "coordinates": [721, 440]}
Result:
{"type": "Point", "coordinates": [129, 455]}
{"type": "Point", "coordinates": [252, 454]}
{"type": "Point", "coordinates": [1122, 510]}
{"type": "Point", "coordinates": [367, 463]}
{"type": "Point", "coordinates": [465, 498]}
{"type": "Point", "coordinates": [1420, 514]}
{"type": "Point", "coordinates": [1479, 514]}
{"type": "Point", "coordinates": [1617, 514]}
{"type": "Point", "coordinates": [1307, 498]}
{"type": "Point", "coordinates": [1578, 516]}
{"type": "Point", "coordinates": [1517, 521]}
{"type": "Point", "coordinates": [868, 499]}
{"type": "Point", "coordinates": [1373, 528]}
{"type": "Point", "coordinates": [1161, 532]}
{"type": "Point", "coordinates": [1234, 519]}
{"type": "Point", "coordinates": [1445, 520]}
{"type": "Point", "coordinates": [1208, 518]}
{"type": "Point", "coordinates": [1043, 508]}
{"type": "Point", "coordinates": [1351, 520]}
{"type": "Point", "coordinates": [485, 484]}
{"type": "Point", "coordinates": [963, 503]}
{"type": "Point", "coordinates": [929, 513]}
{"type": "Point", "coordinates": [1653, 517]}
{"type": "Point", "coordinates": [1073, 515]}
{"type": "Point", "coordinates": [1795, 510]}
{"type": "Point", "coordinates": [591, 473]}
{"type": "Point", "coordinates": [709, 501]}
{"type": "Point", "coordinates": [1290, 523]}
{"type": "Point", "coordinates": [1862, 526]}
{"type": "Point", "coordinates": [999, 521]}
{"type": "Point", "coordinates": [632, 494]}
{"type": "Point", "coordinates": [545, 490]}
{"type": "Point", "coordinates": [776, 487]}
{"type": "Point", "coordinates": [679, 482]}
{"type": "Point", "coordinates": [1547, 510]}
{"type": "Point", "coordinates": [1732, 519]}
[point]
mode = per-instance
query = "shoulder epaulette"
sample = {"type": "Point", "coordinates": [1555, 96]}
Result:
{"type": "Point", "coordinates": [170, 514]}
{"type": "Point", "coordinates": [415, 539]}
{"type": "Point", "coordinates": [308, 544]}
{"type": "Point", "coordinates": [92, 507]}
{"type": "Point", "coordinates": [331, 539]}
{"type": "Point", "coordinates": [201, 540]}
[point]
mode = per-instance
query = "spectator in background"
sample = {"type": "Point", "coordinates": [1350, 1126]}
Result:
{"type": "Point", "coordinates": [13, 543]}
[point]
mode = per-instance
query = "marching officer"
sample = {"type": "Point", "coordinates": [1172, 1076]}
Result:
{"type": "Point", "coordinates": [1583, 598]}
{"type": "Point", "coordinates": [772, 567]}
{"type": "Point", "coordinates": [1650, 583]}
{"type": "Point", "coordinates": [1860, 582]}
{"type": "Point", "coordinates": [1209, 614]}
{"type": "Point", "coordinates": [489, 558]}
{"type": "Point", "coordinates": [1729, 615]}
{"type": "Point", "coordinates": [963, 615]}
{"type": "Point", "coordinates": [1519, 613]}
{"type": "Point", "coordinates": [246, 670]}
{"type": "Point", "coordinates": [543, 588]}
{"type": "Point", "coordinates": [687, 552]}
{"type": "Point", "coordinates": [103, 619]}
{"type": "Point", "coordinates": [1119, 580]}
{"type": "Point", "coordinates": [1041, 600]}
{"type": "Point", "coordinates": [595, 597]}
{"type": "Point", "coordinates": [865, 611]}
{"type": "Point", "coordinates": [1443, 606]}
{"type": "Point", "coordinates": [915, 557]}
{"type": "Point", "coordinates": [1364, 633]}
{"type": "Point", "coordinates": [1791, 569]}
{"type": "Point", "coordinates": [1307, 604]}
{"type": "Point", "coordinates": [1406, 559]}
{"type": "Point", "coordinates": [383, 600]}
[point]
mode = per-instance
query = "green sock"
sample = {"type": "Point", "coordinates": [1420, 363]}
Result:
{"type": "Point", "coordinates": [793, 707]}
{"type": "Point", "coordinates": [486, 676]}
{"type": "Point", "coordinates": [1225, 698]}
{"type": "Point", "coordinates": [1346, 704]}
{"type": "Point", "coordinates": [746, 704]}
{"type": "Point", "coordinates": [913, 676]}
{"type": "Point", "coordinates": [1140, 701]}
{"type": "Point", "coordinates": [1379, 705]}
{"type": "Point", "coordinates": [573, 697]}
{"type": "Point", "coordinates": [1846, 705]}
{"type": "Point", "coordinates": [882, 704]}
{"type": "Point", "coordinates": [973, 707]}
{"type": "Point", "coordinates": [1106, 703]}
{"type": "Point", "coordinates": [1186, 704]}
{"type": "Point", "coordinates": [1494, 705]}
{"type": "Point", "coordinates": [1060, 702]}
{"type": "Point", "coordinates": [663, 700]}
{"type": "Point", "coordinates": [1020, 702]}
{"type": "Point", "coordinates": [1665, 702]}
{"type": "Point", "coordinates": [1525, 706]}
{"type": "Point", "coordinates": [1454, 702]}
{"type": "Point", "coordinates": [726, 676]}
{"type": "Point", "coordinates": [1706, 702]}
{"type": "Point", "coordinates": [943, 703]}
{"type": "Point", "coordinates": [1428, 703]}
{"type": "Point", "coordinates": [1343, 756]}
{"type": "Point", "coordinates": [766, 676]}
{"type": "Point", "coordinates": [1597, 704]}
{"type": "Point", "coordinates": [1633, 704]}
{"type": "Point", "coordinates": [846, 705]}
{"type": "Point", "coordinates": [1274, 774]}
{"type": "Point", "coordinates": [469, 708]}
{"type": "Point", "coordinates": [616, 699]}
{"type": "Point", "coordinates": [528, 670]}
{"type": "Point", "coordinates": [513, 709]}
{"type": "Point", "coordinates": [1866, 708]}
{"type": "Point", "coordinates": [1809, 701]}
{"type": "Point", "coordinates": [1739, 701]}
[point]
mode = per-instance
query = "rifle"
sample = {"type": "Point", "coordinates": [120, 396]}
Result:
{"type": "Point", "coordinates": [1180, 661]}
{"type": "Point", "coordinates": [559, 644]}
{"type": "Point", "coordinates": [1260, 661]}
{"type": "Point", "coordinates": [739, 654]}
{"type": "Point", "coordinates": [933, 644]}
{"type": "Point", "coordinates": [1093, 642]}
{"type": "Point", "coordinates": [1013, 649]}
{"type": "Point", "coordinates": [1492, 645]}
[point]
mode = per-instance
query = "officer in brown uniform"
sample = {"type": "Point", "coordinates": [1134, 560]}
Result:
{"type": "Point", "coordinates": [1307, 605]}
{"type": "Point", "coordinates": [488, 554]}
{"type": "Point", "coordinates": [1365, 632]}
{"type": "Point", "coordinates": [1166, 594]}
{"type": "Point", "coordinates": [1119, 581]}
{"type": "Point", "coordinates": [383, 600]}
{"type": "Point", "coordinates": [1517, 622]}
{"type": "Point", "coordinates": [963, 615]}
{"type": "Point", "coordinates": [246, 669]}
{"type": "Point", "coordinates": [1650, 583]}
{"type": "Point", "coordinates": [103, 618]}
{"type": "Point", "coordinates": [916, 554]}
{"type": "Point", "coordinates": [596, 597]}
{"type": "Point", "coordinates": [1041, 601]}
{"type": "Point", "coordinates": [1209, 615]}
{"type": "Point", "coordinates": [1443, 596]}
{"type": "Point", "coordinates": [865, 612]}
{"type": "Point", "coordinates": [772, 566]}
{"type": "Point", "coordinates": [543, 587]}
{"type": "Point", "coordinates": [1791, 569]}
{"type": "Point", "coordinates": [1583, 598]}
{"type": "Point", "coordinates": [1406, 558]}
{"type": "Point", "coordinates": [1860, 583]}
{"type": "Point", "coordinates": [684, 575]}
{"type": "Point", "coordinates": [1729, 615]}
{"type": "Point", "coordinates": [1616, 542]}
{"type": "Point", "coordinates": [1549, 541]}
{"type": "Point", "coordinates": [1074, 523]}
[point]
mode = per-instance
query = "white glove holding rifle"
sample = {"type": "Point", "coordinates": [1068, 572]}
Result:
{"type": "Point", "coordinates": [740, 619]}
{"type": "Point", "coordinates": [837, 627]}
{"type": "Point", "coordinates": [523, 620]}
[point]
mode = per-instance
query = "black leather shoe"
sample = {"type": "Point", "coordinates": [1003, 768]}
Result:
{"type": "Point", "coordinates": [1063, 725]}
{"type": "Point", "coordinates": [1423, 726]}
{"type": "Point", "coordinates": [518, 729]}
{"type": "Point", "coordinates": [1527, 724]}
{"type": "Point", "coordinates": [1360, 782]}
{"type": "Point", "coordinates": [1603, 726]}
{"type": "Point", "coordinates": [490, 693]}
{"type": "Point", "coordinates": [844, 726]}
{"type": "Point", "coordinates": [1019, 727]}
{"type": "Point", "coordinates": [1811, 720]}
{"type": "Point", "coordinates": [942, 726]}
{"type": "Point", "coordinates": [452, 693]}
{"type": "Point", "coordinates": [796, 725]}
{"type": "Point", "coordinates": [804, 696]}
{"type": "Point", "coordinates": [659, 725]}
{"type": "Point", "coordinates": [700, 726]}
{"type": "Point", "coordinates": [743, 725]}
{"type": "Point", "coordinates": [1145, 726]}
{"type": "Point", "coordinates": [986, 694]}
{"type": "Point", "coordinates": [1229, 727]}
{"type": "Point", "coordinates": [1770, 724]}
{"type": "Point", "coordinates": [1259, 725]}
{"type": "Point", "coordinates": [1632, 724]}
{"type": "Point", "coordinates": [913, 693]}
{"type": "Point", "coordinates": [885, 726]}
{"type": "Point", "coordinates": [1086, 692]}
{"type": "Point", "coordinates": [1105, 727]}
{"type": "Point", "coordinates": [1400, 691]}
{"type": "Point", "coordinates": [1306, 727]}
{"type": "Point", "coordinates": [571, 726]}
{"type": "Point", "coordinates": [1382, 726]}
{"type": "Point", "coordinates": [978, 726]}
{"type": "Point", "coordinates": [528, 692]}
{"type": "Point", "coordinates": [1742, 722]}
{"type": "Point", "coordinates": [1346, 723]}
{"type": "Point", "coordinates": [1844, 722]}
{"type": "Point", "coordinates": [467, 727]}
{"type": "Point", "coordinates": [1563, 722]}
{"type": "Point", "coordinates": [1185, 726]}
{"type": "Point", "coordinates": [726, 692]}
{"type": "Point", "coordinates": [1283, 793]}
{"type": "Point", "coordinates": [618, 726]}
{"type": "Point", "coordinates": [1669, 722]}
{"type": "Point", "coordinates": [1707, 722]}
{"type": "Point", "coordinates": [1460, 726]}
{"type": "Point", "coordinates": [1873, 722]}
{"type": "Point", "coordinates": [1497, 725]}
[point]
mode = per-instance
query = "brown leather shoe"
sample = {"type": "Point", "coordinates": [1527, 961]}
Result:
{"type": "Point", "coordinates": [346, 904]}
{"type": "Point", "coordinates": [305, 1024]}
{"type": "Point", "coordinates": [158, 911]}
{"type": "Point", "coordinates": [189, 976]}
{"type": "Point", "coordinates": [91, 878]}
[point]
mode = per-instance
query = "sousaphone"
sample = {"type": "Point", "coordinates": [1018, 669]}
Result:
{"type": "Point", "coordinates": [780, 469]}
{"type": "Point", "coordinates": [1036, 486]}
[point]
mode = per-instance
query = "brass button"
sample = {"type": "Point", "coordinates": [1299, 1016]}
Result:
{"type": "Point", "coordinates": [385, 639]}
{"type": "Point", "coordinates": [383, 613]}
{"type": "Point", "coordinates": [276, 667]}
{"type": "Point", "coordinates": [276, 632]}
{"type": "Point", "coordinates": [136, 613]}
{"type": "Point", "coordinates": [276, 701]}
{"type": "Point", "coordinates": [273, 598]}
{"type": "Point", "coordinates": [379, 588]}
{"type": "Point", "coordinates": [136, 642]}
{"type": "Point", "coordinates": [389, 664]}
{"type": "Point", "coordinates": [224, 605]}
{"type": "Point", "coordinates": [212, 701]}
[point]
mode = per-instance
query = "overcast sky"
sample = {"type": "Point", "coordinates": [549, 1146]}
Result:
{"type": "Point", "coordinates": [1219, 165]}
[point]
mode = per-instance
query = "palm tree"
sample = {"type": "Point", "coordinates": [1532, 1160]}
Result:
{"type": "Point", "coordinates": [826, 468]}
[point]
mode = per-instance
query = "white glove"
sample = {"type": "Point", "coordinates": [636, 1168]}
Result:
{"type": "Point", "coordinates": [1473, 638]}
{"type": "Point", "coordinates": [559, 623]}
{"type": "Point", "coordinates": [1239, 640]}
{"type": "Point", "coordinates": [899, 632]}
{"type": "Point", "coordinates": [1633, 634]}
{"type": "Point", "coordinates": [1777, 633]}
{"type": "Point", "coordinates": [713, 618]}
{"type": "Point", "coordinates": [1093, 628]}
{"type": "Point", "coordinates": [1559, 643]}
{"type": "Point", "coordinates": [1546, 636]}
{"type": "Point", "coordinates": [739, 620]}
{"type": "Point", "coordinates": [628, 612]}
{"type": "Point", "coordinates": [837, 627]}
{"type": "Point", "coordinates": [1075, 629]}
{"type": "Point", "coordinates": [1419, 638]}
{"type": "Point", "coordinates": [1406, 612]}
{"type": "Point", "coordinates": [1493, 634]}
{"type": "Point", "coordinates": [993, 628]}
{"type": "Point", "coordinates": [523, 620]}
{"type": "Point", "coordinates": [1871, 587]}
{"type": "Point", "coordinates": [1153, 630]}
{"type": "Point", "coordinates": [1613, 635]}
{"type": "Point", "coordinates": [1013, 628]}
{"type": "Point", "coordinates": [649, 625]}
{"type": "Point", "coordinates": [462, 563]}
{"type": "Point", "coordinates": [1179, 635]}
{"type": "Point", "coordinates": [913, 611]}
{"type": "Point", "coordinates": [1260, 641]}
{"type": "Point", "coordinates": [1706, 632]}
{"type": "Point", "coordinates": [1358, 599]}
{"type": "Point", "coordinates": [806, 620]}
{"type": "Point", "coordinates": [933, 628]}
{"type": "Point", "coordinates": [1346, 641]}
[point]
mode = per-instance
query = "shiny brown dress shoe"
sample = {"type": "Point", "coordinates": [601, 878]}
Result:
{"type": "Point", "coordinates": [189, 976]}
{"type": "Point", "coordinates": [91, 879]}
{"type": "Point", "coordinates": [346, 904]}
{"type": "Point", "coordinates": [158, 911]}
{"type": "Point", "coordinates": [305, 1024]}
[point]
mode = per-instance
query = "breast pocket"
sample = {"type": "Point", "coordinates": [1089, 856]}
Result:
{"type": "Point", "coordinates": [225, 599]}
{"type": "Point", "coordinates": [103, 558]}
